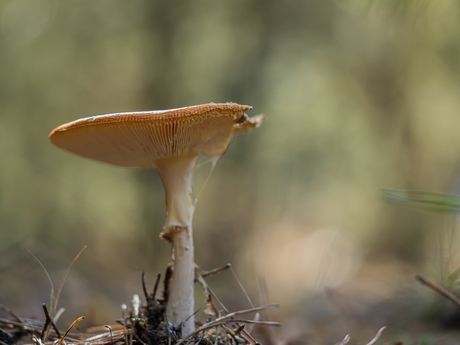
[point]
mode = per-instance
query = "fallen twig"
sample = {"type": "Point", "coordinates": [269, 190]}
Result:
{"type": "Point", "coordinates": [439, 289]}
{"type": "Point", "coordinates": [215, 270]}
{"type": "Point", "coordinates": [245, 311]}
{"type": "Point", "coordinates": [198, 277]}
{"type": "Point", "coordinates": [48, 323]}
{"type": "Point", "coordinates": [228, 319]}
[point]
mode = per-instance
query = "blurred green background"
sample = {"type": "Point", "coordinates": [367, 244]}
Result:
{"type": "Point", "coordinates": [359, 95]}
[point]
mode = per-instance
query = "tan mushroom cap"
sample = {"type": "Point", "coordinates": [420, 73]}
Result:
{"type": "Point", "coordinates": [138, 139]}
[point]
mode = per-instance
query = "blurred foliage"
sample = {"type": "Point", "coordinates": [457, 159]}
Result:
{"type": "Point", "coordinates": [436, 202]}
{"type": "Point", "coordinates": [359, 95]}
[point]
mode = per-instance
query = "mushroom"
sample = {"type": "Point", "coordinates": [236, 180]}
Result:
{"type": "Point", "coordinates": [171, 141]}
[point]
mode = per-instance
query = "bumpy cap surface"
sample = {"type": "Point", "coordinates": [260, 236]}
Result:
{"type": "Point", "coordinates": [138, 139]}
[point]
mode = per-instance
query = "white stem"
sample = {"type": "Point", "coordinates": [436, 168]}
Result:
{"type": "Point", "coordinates": [177, 176]}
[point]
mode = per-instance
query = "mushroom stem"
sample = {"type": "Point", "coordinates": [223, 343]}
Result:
{"type": "Point", "coordinates": [177, 176]}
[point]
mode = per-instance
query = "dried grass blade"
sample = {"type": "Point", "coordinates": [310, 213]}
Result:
{"type": "Point", "coordinates": [377, 336]}
{"type": "Point", "coordinates": [68, 330]}
{"type": "Point", "coordinates": [240, 284]}
{"type": "Point", "coordinates": [12, 313]}
{"type": "Point", "coordinates": [64, 279]}
{"type": "Point", "coordinates": [345, 340]}
{"type": "Point", "coordinates": [116, 335]}
{"type": "Point", "coordinates": [52, 298]}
